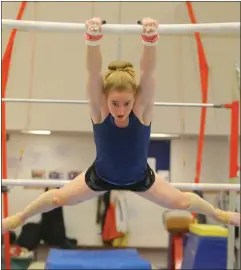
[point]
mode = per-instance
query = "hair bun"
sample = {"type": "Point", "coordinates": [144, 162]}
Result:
{"type": "Point", "coordinates": [120, 65]}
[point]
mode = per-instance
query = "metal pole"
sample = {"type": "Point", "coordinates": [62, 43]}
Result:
{"type": "Point", "coordinates": [52, 101]}
{"type": "Point", "coordinates": [158, 104]}
{"type": "Point", "coordinates": [233, 27]}
{"type": "Point", "coordinates": [237, 67]}
{"type": "Point", "coordinates": [58, 183]}
{"type": "Point", "coordinates": [118, 43]}
{"type": "Point", "coordinates": [231, 238]}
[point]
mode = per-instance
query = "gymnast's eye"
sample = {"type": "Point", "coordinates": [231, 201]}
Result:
{"type": "Point", "coordinates": [115, 103]}
{"type": "Point", "coordinates": [127, 104]}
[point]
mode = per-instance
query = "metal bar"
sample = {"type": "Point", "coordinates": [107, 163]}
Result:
{"type": "Point", "coordinates": [52, 101]}
{"type": "Point", "coordinates": [158, 104]}
{"type": "Point", "coordinates": [122, 28]}
{"type": "Point", "coordinates": [118, 43]}
{"type": "Point", "coordinates": [237, 67]}
{"type": "Point", "coordinates": [58, 183]}
{"type": "Point", "coordinates": [231, 233]}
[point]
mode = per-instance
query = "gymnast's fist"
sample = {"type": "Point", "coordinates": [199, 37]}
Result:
{"type": "Point", "coordinates": [149, 26]}
{"type": "Point", "coordinates": [93, 26]}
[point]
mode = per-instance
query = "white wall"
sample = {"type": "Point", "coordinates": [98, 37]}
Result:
{"type": "Point", "coordinates": [57, 67]}
{"type": "Point", "coordinates": [76, 152]}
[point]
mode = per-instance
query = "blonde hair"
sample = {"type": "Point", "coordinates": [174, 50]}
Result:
{"type": "Point", "coordinates": [120, 77]}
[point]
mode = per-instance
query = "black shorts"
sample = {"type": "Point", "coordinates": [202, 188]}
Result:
{"type": "Point", "coordinates": [97, 184]}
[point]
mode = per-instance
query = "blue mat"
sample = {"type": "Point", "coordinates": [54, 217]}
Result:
{"type": "Point", "coordinates": [96, 259]}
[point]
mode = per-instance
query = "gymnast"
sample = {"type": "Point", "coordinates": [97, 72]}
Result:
{"type": "Point", "coordinates": [121, 112]}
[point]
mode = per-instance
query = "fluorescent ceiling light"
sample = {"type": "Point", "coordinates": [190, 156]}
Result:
{"type": "Point", "coordinates": [36, 132]}
{"type": "Point", "coordinates": [163, 135]}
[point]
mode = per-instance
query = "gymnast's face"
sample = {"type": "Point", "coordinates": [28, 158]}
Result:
{"type": "Point", "coordinates": [120, 104]}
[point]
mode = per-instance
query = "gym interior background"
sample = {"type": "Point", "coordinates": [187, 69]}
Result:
{"type": "Point", "coordinates": [52, 66]}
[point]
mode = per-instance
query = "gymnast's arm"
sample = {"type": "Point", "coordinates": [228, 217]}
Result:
{"type": "Point", "coordinates": [93, 65]}
{"type": "Point", "coordinates": [147, 68]}
{"type": "Point", "coordinates": [147, 80]}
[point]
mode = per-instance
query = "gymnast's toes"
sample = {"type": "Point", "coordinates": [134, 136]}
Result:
{"type": "Point", "coordinates": [235, 219]}
{"type": "Point", "coordinates": [227, 217]}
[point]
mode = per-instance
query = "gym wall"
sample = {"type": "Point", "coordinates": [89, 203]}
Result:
{"type": "Point", "coordinates": [58, 64]}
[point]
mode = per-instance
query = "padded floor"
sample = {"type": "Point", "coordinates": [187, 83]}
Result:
{"type": "Point", "coordinates": [96, 259]}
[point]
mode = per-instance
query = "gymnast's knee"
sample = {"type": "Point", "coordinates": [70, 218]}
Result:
{"type": "Point", "coordinates": [182, 202]}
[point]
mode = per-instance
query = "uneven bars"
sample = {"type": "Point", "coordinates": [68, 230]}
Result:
{"type": "Point", "coordinates": [158, 104]}
{"type": "Point", "coordinates": [58, 183]}
{"type": "Point", "coordinates": [122, 28]}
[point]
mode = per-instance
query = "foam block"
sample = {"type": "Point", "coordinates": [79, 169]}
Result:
{"type": "Point", "coordinates": [96, 259]}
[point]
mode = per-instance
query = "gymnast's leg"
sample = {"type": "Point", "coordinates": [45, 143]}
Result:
{"type": "Point", "coordinates": [164, 194]}
{"type": "Point", "coordinates": [72, 193]}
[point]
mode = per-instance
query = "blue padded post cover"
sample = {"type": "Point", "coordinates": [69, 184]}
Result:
{"type": "Point", "coordinates": [205, 252]}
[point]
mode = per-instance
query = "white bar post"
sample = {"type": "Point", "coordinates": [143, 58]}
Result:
{"type": "Point", "coordinates": [231, 240]}
{"type": "Point", "coordinates": [118, 43]}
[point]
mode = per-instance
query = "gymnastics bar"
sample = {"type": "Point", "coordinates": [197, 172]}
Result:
{"type": "Point", "coordinates": [59, 183]}
{"type": "Point", "coordinates": [159, 104]}
{"type": "Point", "coordinates": [233, 27]}
{"type": "Point", "coordinates": [233, 164]}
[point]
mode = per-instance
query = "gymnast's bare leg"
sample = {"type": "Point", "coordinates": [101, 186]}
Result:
{"type": "Point", "coordinates": [72, 193]}
{"type": "Point", "coordinates": [164, 194]}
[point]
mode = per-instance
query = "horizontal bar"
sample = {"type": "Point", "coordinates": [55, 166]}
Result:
{"type": "Point", "coordinates": [122, 28]}
{"type": "Point", "coordinates": [51, 101]}
{"type": "Point", "coordinates": [33, 183]}
{"type": "Point", "coordinates": [59, 183]}
{"type": "Point", "coordinates": [158, 104]}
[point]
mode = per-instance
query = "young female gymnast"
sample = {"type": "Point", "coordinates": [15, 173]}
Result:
{"type": "Point", "coordinates": [121, 113]}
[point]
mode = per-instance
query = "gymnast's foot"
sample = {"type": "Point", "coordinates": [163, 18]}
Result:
{"type": "Point", "coordinates": [235, 219]}
{"type": "Point", "coordinates": [226, 217]}
{"type": "Point", "coordinates": [12, 222]}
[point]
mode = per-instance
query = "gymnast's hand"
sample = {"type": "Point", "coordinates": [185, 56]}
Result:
{"type": "Point", "coordinates": [150, 34]}
{"type": "Point", "coordinates": [93, 31]}
{"type": "Point", "coordinates": [12, 222]}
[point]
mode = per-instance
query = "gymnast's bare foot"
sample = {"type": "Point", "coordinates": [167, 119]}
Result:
{"type": "Point", "coordinates": [235, 219]}
{"type": "Point", "coordinates": [226, 217]}
{"type": "Point", "coordinates": [12, 222]}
